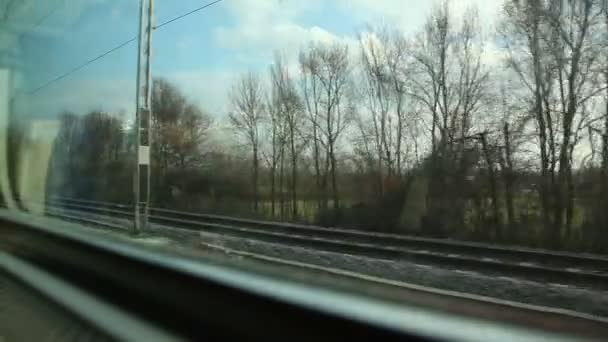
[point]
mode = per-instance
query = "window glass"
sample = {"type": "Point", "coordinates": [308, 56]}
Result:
{"type": "Point", "coordinates": [481, 124]}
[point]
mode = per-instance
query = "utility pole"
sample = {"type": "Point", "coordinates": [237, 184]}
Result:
{"type": "Point", "coordinates": [141, 181]}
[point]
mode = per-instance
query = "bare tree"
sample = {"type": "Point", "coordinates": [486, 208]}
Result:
{"type": "Point", "coordinates": [379, 100]}
{"type": "Point", "coordinates": [167, 105]}
{"type": "Point", "coordinates": [398, 67]}
{"type": "Point", "coordinates": [187, 135]}
{"type": "Point", "coordinates": [312, 95]}
{"type": "Point", "coordinates": [429, 86]}
{"type": "Point", "coordinates": [385, 66]}
{"type": "Point", "coordinates": [179, 129]}
{"type": "Point", "coordinates": [551, 50]}
{"type": "Point", "coordinates": [276, 139]}
{"type": "Point", "coordinates": [431, 53]}
{"type": "Point", "coordinates": [449, 79]}
{"type": "Point", "coordinates": [604, 155]}
{"type": "Point", "coordinates": [572, 26]}
{"type": "Point", "coordinates": [246, 117]}
{"type": "Point", "coordinates": [510, 127]}
{"type": "Point", "coordinates": [326, 72]}
{"type": "Point", "coordinates": [67, 136]}
{"type": "Point", "coordinates": [289, 108]}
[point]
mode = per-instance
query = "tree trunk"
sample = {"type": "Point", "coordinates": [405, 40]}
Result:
{"type": "Point", "coordinates": [604, 176]}
{"type": "Point", "coordinates": [508, 178]}
{"type": "Point", "coordinates": [273, 172]}
{"type": "Point", "coordinates": [334, 179]}
{"type": "Point", "coordinates": [326, 174]}
{"type": "Point", "coordinates": [294, 175]}
{"type": "Point", "coordinates": [562, 193]}
{"type": "Point", "coordinates": [493, 188]}
{"type": "Point", "coordinates": [317, 163]}
{"type": "Point", "coordinates": [603, 202]}
{"type": "Point", "coordinates": [272, 189]}
{"type": "Point", "coordinates": [255, 178]}
{"type": "Point", "coordinates": [544, 160]}
{"type": "Point", "coordinates": [430, 197]}
{"type": "Point", "coordinates": [281, 178]}
{"type": "Point", "coordinates": [399, 139]}
{"type": "Point", "coordinates": [604, 172]}
{"type": "Point", "coordinates": [569, 199]}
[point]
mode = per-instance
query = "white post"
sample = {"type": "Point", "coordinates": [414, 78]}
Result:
{"type": "Point", "coordinates": [141, 179]}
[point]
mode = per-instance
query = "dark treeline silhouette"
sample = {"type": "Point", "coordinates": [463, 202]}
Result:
{"type": "Point", "coordinates": [89, 159]}
{"type": "Point", "coordinates": [424, 134]}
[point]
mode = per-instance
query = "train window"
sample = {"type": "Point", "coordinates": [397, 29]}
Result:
{"type": "Point", "coordinates": [443, 146]}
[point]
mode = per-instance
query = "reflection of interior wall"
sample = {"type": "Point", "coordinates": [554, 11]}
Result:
{"type": "Point", "coordinates": [5, 87]}
{"type": "Point", "coordinates": [19, 18]}
{"type": "Point", "coordinates": [34, 156]}
{"type": "Point", "coordinates": [13, 22]}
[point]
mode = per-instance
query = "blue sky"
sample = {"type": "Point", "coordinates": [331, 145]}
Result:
{"type": "Point", "coordinates": [202, 53]}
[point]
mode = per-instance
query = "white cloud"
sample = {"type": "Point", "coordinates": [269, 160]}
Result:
{"type": "Point", "coordinates": [265, 26]}
{"type": "Point", "coordinates": [264, 11]}
{"type": "Point", "coordinates": [261, 27]}
{"type": "Point", "coordinates": [410, 15]}
{"type": "Point", "coordinates": [407, 15]}
{"type": "Point", "coordinates": [281, 36]}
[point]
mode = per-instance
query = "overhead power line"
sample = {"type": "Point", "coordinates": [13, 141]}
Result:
{"type": "Point", "coordinates": [48, 15]}
{"type": "Point", "coordinates": [121, 45]}
{"type": "Point", "coordinates": [187, 14]}
{"type": "Point", "coordinates": [81, 66]}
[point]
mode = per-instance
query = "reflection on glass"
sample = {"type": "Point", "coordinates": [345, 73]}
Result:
{"type": "Point", "coordinates": [445, 124]}
{"type": "Point", "coordinates": [472, 120]}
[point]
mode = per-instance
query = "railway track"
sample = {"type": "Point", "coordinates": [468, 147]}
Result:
{"type": "Point", "coordinates": [548, 318]}
{"type": "Point", "coordinates": [539, 265]}
{"type": "Point", "coordinates": [473, 305]}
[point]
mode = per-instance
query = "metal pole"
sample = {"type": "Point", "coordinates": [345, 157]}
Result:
{"type": "Point", "coordinates": [141, 179]}
{"type": "Point", "coordinates": [149, 104]}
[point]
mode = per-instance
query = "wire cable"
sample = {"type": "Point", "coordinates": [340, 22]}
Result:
{"type": "Point", "coordinates": [186, 14]}
{"type": "Point", "coordinates": [81, 66]}
{"type": "Point", "coordinates": [121, 45]}
{"type": "Point", "coordinates": [48, 15]}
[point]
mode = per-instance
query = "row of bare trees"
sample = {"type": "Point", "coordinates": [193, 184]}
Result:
{"type": "Point", "coordinates": [501, 141]}
{"type": "Point", "coordinates": [302, 119]}
{"type": "Point", "coordinates": [371, 104]}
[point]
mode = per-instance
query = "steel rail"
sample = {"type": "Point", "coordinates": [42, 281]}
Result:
{"type": "Point", "coordinates": [525, 263]}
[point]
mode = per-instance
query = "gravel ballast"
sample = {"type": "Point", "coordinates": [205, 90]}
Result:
{"type": "Point", "coordinates": [555, 295]}
{"type": "Point", "coordinates": [564, 296]}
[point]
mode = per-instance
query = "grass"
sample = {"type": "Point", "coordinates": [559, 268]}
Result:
{"type": "Point", "coordinates": [308, 211]}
